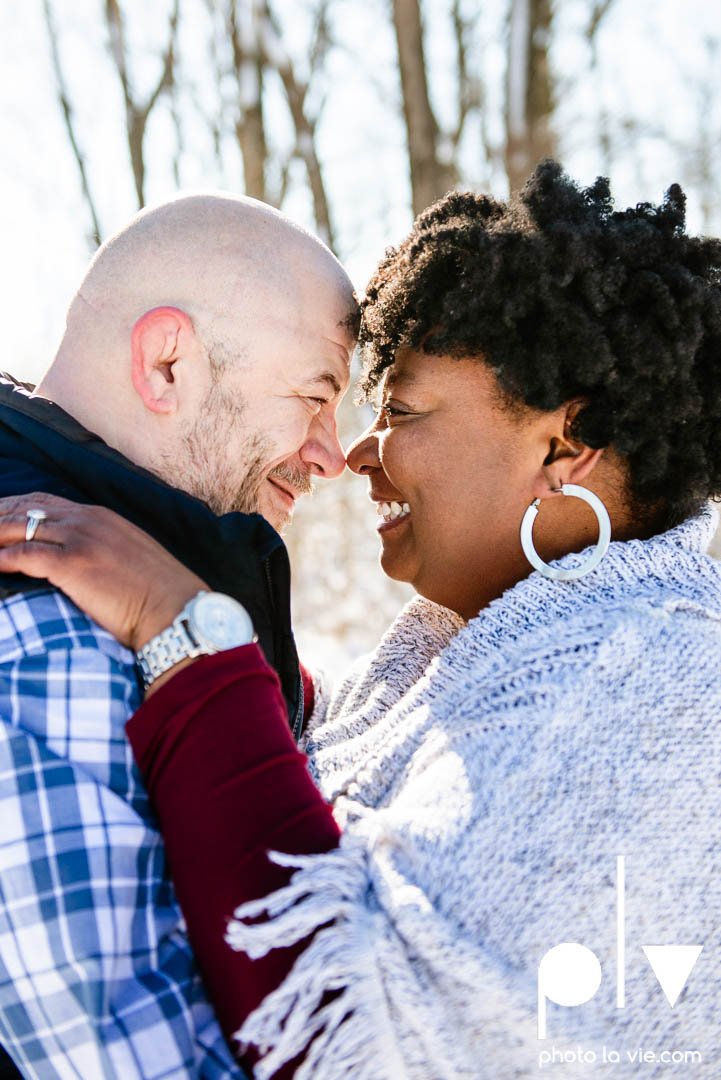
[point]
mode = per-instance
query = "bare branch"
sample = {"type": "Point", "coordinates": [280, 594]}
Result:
{"type": "Point", "coordinates": [284, 179]}
{"type": "Point", "coordinates": [599, 11]}
{"type": "Point", "coordinates": [494, 154]}
{"type": "Point", "coordinates": [176, 117]}
{"type": "Point", "coordinates": [470, 93]}
{"type": "Point", "coordinates": [136, 115]}
{"type": "Point", "coordinates": [321, 38]}
{"type": "Point", "coordinates": [116, 36]}
{"type": "Point", "coordinates": [165, 81]}
{"type": "Point", "coordinates": [66, 107]}
{"type": "Point", "coordinates": [276, 56]}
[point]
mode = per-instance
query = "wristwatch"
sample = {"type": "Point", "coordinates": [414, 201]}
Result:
{"type": "Point", "coordinates": [209, 623]}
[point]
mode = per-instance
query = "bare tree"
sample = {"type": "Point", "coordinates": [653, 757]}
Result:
{"type": "Point", "coordinates": [255, 68]}
{"type": "Point", "coordinates": [529, 89]}
{"type": "Point", "coordinates": [258, 55]}
{"type": "Point", "coordinates": [68, 118]}
{"type": "Point", "coordinates": [305, 122]}
{"type": "Point", "coordinates": [136, 112]}
{"type": "Point", "coordinates": [430, 176]}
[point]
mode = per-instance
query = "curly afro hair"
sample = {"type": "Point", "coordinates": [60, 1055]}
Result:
{"type": "Point", "coordinates": [565, 298]}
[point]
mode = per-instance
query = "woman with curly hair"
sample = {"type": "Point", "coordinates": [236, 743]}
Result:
{"type": "Point", "coordinates": [531, 757]}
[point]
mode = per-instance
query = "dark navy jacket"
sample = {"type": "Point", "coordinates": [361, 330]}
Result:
{"type": "Point", "coordinates": [42, 448]}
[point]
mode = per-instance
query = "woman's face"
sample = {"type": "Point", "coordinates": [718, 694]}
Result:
{"type": "Point", "coordinates": [462, 467]}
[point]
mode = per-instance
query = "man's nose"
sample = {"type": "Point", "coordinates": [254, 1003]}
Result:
{"type": "Point", "coordinates": [362, 454]}
{"type": "Point", "coordinates": [322, 451]}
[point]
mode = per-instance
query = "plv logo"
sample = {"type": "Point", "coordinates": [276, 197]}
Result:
{"type": "Point", "coordinates": [570, 974]}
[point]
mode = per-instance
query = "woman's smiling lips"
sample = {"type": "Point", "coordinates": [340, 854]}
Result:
{"type": "Point", "coordinates": [392, 513]}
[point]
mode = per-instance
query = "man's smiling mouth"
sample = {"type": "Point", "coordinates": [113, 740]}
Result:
{"type": "Point", "coordinates": [291, 482]}
{"type": "Point", "coordinates": [289, 494]}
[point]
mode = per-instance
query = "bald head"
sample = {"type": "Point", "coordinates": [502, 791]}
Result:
{"type": "Point", "coordinates": [200, 285]}
{"type": "Point", "coordinates": [208, 255]}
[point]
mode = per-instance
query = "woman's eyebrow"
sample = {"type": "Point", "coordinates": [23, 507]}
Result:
{"type": "Point", "coordinates": [404, 378]}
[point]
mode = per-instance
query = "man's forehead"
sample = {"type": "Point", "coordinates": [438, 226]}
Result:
{"type": "Point", "coordinates": [331, 318]}
{"type": "Point", "coordinates": [305, 278]}
{"type": "Point", "coordinates": [350, 324]}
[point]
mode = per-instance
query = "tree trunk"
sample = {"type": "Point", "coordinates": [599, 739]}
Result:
{"type": "Point", "coordinates": [430, 177]}
{"type": "Point", "coordinates": [248, 71]}
{"type": "Point", "coordinates": [529, 90]}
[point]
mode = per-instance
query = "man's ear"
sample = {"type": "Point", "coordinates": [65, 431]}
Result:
{"type": "Point", "coordinates": [159, 339]}
{"type": "Point", "coordinates": [568, 461]}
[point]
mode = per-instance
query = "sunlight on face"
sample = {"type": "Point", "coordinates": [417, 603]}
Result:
{"type": "Point", "coordinates": [267, 424]}
{"type": "Point", "coordinates": [448, 469]}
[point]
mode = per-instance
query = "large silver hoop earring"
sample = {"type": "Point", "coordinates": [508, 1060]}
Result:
{"type": "Point", "coordinates": [604, 536]}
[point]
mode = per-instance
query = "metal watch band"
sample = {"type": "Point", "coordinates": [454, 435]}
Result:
{"type": "Point", "coordinates": [167, 649]}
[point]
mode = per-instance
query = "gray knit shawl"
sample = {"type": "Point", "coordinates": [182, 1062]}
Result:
{"type": "Point", "coordinates": [486, 777]}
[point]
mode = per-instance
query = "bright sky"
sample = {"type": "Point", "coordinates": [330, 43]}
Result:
{"type": "Point", "coordinates": [655, 68]}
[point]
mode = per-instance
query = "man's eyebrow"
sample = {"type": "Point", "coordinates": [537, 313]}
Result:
{"type": "Point", "coordinates": [329, 379]}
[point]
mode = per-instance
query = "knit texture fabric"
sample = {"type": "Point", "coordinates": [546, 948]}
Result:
{"type": "Point", "coordinates": [487, 776]}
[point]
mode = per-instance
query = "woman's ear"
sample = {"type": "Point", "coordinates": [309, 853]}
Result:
{"type": "Point", "coordinates": [567, 461]}
{"type": "Point", "coordinates": [160, 338]}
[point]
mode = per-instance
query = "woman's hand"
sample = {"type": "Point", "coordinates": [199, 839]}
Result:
{"type": "Point", "coordinates": [113, 571]}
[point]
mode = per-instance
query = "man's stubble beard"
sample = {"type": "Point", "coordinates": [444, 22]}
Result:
{"type": "Point", "coordinates": [202, 466]}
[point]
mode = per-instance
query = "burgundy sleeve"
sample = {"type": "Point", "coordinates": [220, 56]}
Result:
{"type": "Point", "coordinates": [228, 785]}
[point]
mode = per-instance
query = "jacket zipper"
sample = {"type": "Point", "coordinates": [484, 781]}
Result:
{"type": "Point", "coordinates": [296, 725]}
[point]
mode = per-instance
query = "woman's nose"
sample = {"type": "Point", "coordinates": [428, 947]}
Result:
{"type": "Point", "coordinates": [362, 454]}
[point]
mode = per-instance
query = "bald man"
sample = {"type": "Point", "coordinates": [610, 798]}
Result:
{"type": "Point", "coordinates": [204, 358]}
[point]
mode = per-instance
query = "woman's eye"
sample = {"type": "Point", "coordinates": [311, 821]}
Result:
{"type": "Point", "coordinates": [391, 410]}
{"type": "Point", "coordinates": [319, 401]}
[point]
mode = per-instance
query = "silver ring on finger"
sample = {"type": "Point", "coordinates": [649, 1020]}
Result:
{"type": "Point", "coordinates": [34, 517]}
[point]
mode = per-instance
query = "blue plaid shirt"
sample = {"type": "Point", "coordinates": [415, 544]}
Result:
{"type": "Point", "coordinates": [96, 975]}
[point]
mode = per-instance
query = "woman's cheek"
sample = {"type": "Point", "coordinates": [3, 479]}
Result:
{"type": "Point", "coordinates": [390, 446]}
{"type": "Point", "coordinates": [402, 456]}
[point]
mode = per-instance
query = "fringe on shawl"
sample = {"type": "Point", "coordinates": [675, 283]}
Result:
{"type": "Point", "coordinates": [385, 989]}
{"type": "Point", "coordinates": [348, 1035]}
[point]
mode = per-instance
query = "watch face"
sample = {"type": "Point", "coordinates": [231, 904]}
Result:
{"type": "Point", "coordinates": [220, 621]}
